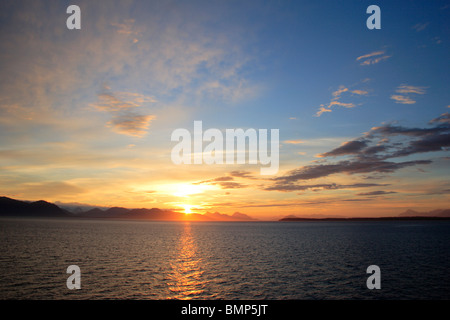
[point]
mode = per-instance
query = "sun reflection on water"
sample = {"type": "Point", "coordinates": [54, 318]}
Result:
{"type": "Point", "coordinates": [185, 277]}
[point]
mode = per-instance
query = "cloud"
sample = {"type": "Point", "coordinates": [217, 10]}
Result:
{"type": "Point", "coordinates": [113, 102]}
{"type": "Point", "coordinates": [330, 186]}
{"type": "Point", "coordinates": [388, 130]}
{"type": "Point", "coordinates": [231, 185]}
{"type": "Point", "coordinates": [327, 108]}
{"type": "Point", "coordinates": [375, 193]}
{"type": "Point", "coordinates": [53, 72]}
{"type": "Point", "coordinates": [221, 179]}
{"type": "Point", "coordinates": [437, 142]}
{"type": "Point", "coordinates": [369, 55]}
{"type": "Point", "coordinates": [341, 104]}
{"type": "Point", "coordinates": [349, 147]}
{"type": "Point", "coordinates": [420, 26]}
{"type": "Point", "coordinates": [416, 140]}
{"type": "Point", "coordinates": [371, 154]}
{"type": "Point", "coordinates": [442, 119]}
{"type": "Point", "coordinates": [122, 106]}
{"type": "Point", "coordinates": [410, 89]}
{"type": "Point", "coordinates": [372, 58]}
{"type": "Point", "coordinates": [131, 124]}
{"type": "Point", "coordinates": [228, 182]}
{"type": "Point", "coordinates": [242, 174]}
{"type": "Point", "coordinates": [377, 145]}
{"type": "Point", "coordinates": [374, 61]}
{"type": "Point", "coordinates": [402, 99]}
{"type": "Point", "coordinates": [403, 96]}
{"type": "Point", "coordinates": [437, 40]}
{"type": "Point", "coordinates": [338, 92]}
{"type": "Point", "coordinates": [298, 141]}
{"type": "Point", "coordinates": [336, 96]}
{"type": "Point", "coordinates": [322, 110]}
{"type": "Point", "coordinates": [368, 156]}
{"type": "Point", "coordinates": [126, 27]}
{"type": "Point", "coordinates": [360, 92]}
{"type": "Point", "coordinates": [225, 182]}
{"type": "Point", "coordinates": [348, 167]}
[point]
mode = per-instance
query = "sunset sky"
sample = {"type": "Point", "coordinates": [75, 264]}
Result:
{"type": "Point", "coordinates": [86, 116]}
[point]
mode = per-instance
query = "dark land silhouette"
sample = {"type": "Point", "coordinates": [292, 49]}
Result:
{"type": "Point", "coordinates": [17, 208]}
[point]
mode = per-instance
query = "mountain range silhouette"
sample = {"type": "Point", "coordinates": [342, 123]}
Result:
{"type": "Point", "coordinates": [17, 208]}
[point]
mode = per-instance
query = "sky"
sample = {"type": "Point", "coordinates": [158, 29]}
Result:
{"type": "Point", "coordinates": [86, 116]}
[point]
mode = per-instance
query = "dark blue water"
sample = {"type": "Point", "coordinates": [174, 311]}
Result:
{"type": "Point", "coordinates": [236, 260]}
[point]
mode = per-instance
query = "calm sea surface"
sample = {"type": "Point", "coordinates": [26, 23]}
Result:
{"type": "Point", "coordinates": [220, 260]}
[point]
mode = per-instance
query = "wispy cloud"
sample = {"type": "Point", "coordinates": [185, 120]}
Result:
{"type": "Point", "coordinates": [177, 61]}
{"type": "Point", "coordinates": [375, 193]}
{"type": "Point", "coordinates": [337, 93]}
{"type": "Point", "coordinates": [360, 92]}
{"type": "Point", "coordinates": [117, 101]}
{"type": "Point", "coordinates": [420, 26]}
{"type": "Point", "coordinates": [410, 89]}
{"type": "Point", "coordinates": [327, 108]}
{"type": "Point", "coordinates": [377, 145]}
{"type": "Point", "coordinates": [242, 174]}
{"type": "Point", "coordinates": [126, 27]}
{"type": "Point", "coordinates": [369, 55]}
{"type": "Point", "coordinates": [225, 182]}
{"type": "Point", "coordinates": [298, 141]}
{"type": "Point", "coordinates": [437, 40]}
{"type": "Point", "coordinates": [349, 147]}
{"type": "Point", "coordinates": [131, 124]}
{"type": "Point", "coordinates": [372, 154]}
{"type": "Point", "coordinates": [336, 96]}
{"type": "Point", "coordinates": [316, 187]}
{"type": "Point", "coordinates": [348, 167]}
{"type": "Point", "coordinates": [122, 106]}
{"type": "Point", "coordinates": [372, 58]}
{"type": "Point", "coordinates": [322, 110]}
{"type": "Point", "coordinates": [404, 91]}
{"type": "Point", "coordinates": [402, 99]}
{"type": "Point", "coordinates": [442, 119]}
{"type": "Point", "coordinates": [341, 104]}
{"type": "Point", "coordinates": [229, 181]}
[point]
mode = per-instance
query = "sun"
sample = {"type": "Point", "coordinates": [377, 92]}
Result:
{"type": "Point", "coordinates": [187, 209]}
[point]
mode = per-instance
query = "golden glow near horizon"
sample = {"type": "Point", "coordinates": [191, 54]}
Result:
{"type": "Point", "coordinates": [187, 208]}
{"type": "Point", "coordinates": [187, 192]}
{"type": "Point", "coordinates": [185, 189]}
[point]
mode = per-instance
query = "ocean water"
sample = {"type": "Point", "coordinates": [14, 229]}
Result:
{"type": "Point", "coordinates": [224, 260]}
